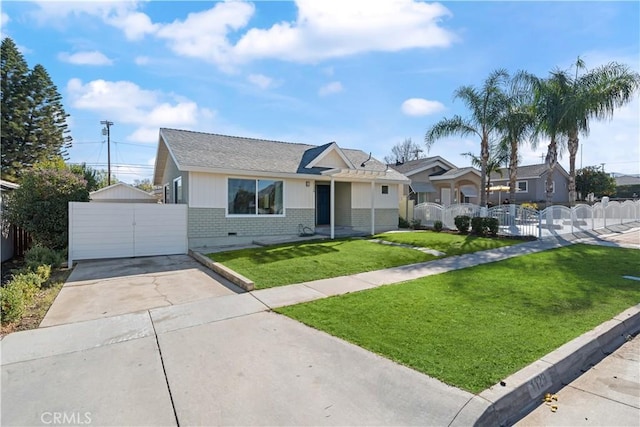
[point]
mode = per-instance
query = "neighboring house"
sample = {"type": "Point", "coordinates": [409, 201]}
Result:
{"type": "Point", "coordinates": [531, 184]}
{"type": "Point", "coordinates": [7, 248]}
{"type": "Point", "coordinates": [239, 189]}
{"type": "Point", "coordinates": [122, 193]}
{"type": "Point", "coordinates": [434, 179]}
{"type": "Point", "coordinates": [627, 186]}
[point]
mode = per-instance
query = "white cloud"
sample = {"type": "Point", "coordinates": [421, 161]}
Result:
{"type": "Point", "coordinates": [134, 24]}
{"type": "Point", "coordinates": [322, 30]}
{"type": "Point", "coordinates": [142, 60]}
{"type": "Point", "coordinates": [421, 107]}
{"type": "Point", "coordinates": [125, 102]}
{"type": "Point", "coordinates": [262, 81]}
{"type": "Point", "coordinates": [204, 34]}
{"type": "Point", "coordinates": [122, 14]}
{"type": "Point", "coordinates": [4, 20]}
{"type": "Point", "coordinates": [85, 58]}
{"type": "Point", "coordinates": [333, 29]}
{"type": "Point", "coordinates": [330, 88]}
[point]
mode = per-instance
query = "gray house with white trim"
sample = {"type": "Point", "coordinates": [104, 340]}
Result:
{"type": "Point", "coordinates": [239, 189]}
{"type": "Point", "coordinates": [531, 184]}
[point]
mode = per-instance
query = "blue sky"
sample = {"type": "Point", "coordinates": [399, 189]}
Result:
{"type": "Point", "coordinates": [364, 74]}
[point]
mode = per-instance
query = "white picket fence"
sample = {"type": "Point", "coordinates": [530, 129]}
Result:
{"type": "Point", "coordinates": [517, 221]}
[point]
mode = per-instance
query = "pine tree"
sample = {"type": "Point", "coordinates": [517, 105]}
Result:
{"type": "Point", "coordinates": [34, 124]}
{"type": "Point", "coordinates": [14, 105]}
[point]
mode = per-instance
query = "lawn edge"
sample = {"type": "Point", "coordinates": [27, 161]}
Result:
{"type": "Point", "coordinates": [524, 390]}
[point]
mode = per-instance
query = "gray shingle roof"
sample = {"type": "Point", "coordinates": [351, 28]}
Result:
{"type": "Point", "coordinates": [627, 180]}
{"type": "Point", "coordinates": [527, 171]}
{"type": "Point", "coordinates": [213, 151]}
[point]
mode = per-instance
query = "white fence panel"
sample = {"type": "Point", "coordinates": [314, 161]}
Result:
{"type": "Point", "coordinates": [428, 213]}
{"type": "Point", "coordinates": [555, 220]}
{"type": "Point", "coordinates": [582, 217]}
{"type": "Point", "coordinates": [121, 230]}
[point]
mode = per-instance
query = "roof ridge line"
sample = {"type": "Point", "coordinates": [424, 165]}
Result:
{"type": "Point", "coordinates": [246, 137]}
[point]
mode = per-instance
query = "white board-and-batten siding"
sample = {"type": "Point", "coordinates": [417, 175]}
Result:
{"type": "Point", "coordinates": [208, 190]}
{"type": "Point", "coordinates": [361, 196]}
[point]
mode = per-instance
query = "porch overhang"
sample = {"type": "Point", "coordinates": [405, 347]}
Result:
{"type": "Point", "coordinates": [363, 175]}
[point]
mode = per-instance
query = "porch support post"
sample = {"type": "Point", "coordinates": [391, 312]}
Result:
{"type": "Point", "coordinates": [332, 208]}
{"type": "Point", "coordinates": [453, 193]}
{"type": "Point", "coordinates": [373, 208]}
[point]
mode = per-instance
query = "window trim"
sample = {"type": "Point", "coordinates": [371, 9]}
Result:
{"type": "Point", "coordinates": [526, 186]}
{"type": "Point", "coordinates": [177, 201]}
{"type": "Point", "coordinates": [166, 190]}
{"type": "Point", "coordinates": [255, 215]}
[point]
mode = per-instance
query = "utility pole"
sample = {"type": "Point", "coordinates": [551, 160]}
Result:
{"type": "Point", "coordinates": [107, 131]}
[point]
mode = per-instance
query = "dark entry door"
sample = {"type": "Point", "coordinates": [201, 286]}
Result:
{"type": "Point", "coordinates": [323, 204]}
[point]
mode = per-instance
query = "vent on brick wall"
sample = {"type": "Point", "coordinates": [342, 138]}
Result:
{"type": "Point", "coordinates": [232, 234]}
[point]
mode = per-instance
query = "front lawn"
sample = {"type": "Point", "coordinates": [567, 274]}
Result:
{"type": "Point", "coordinates": [473, 327]}
{"type": "Point", "coordinates": [302, 262]}
{"type": "Point", "coordinates": [299, 262]}
{"type": "Point", "coordinates": [451, 244]}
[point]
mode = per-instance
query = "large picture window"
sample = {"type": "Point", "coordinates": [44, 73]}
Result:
{"type": "Point", "coordinates": [255, 197]}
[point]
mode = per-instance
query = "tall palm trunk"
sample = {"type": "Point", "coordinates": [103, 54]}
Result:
{"type": "Point", "coordinates": [484, 154]}
{"type": "Point", "coordinates": [572, 145]}
{"type": "Point", "coordinates": [513, 171]}
{"type": "Point", "coordinates": [551, 161]}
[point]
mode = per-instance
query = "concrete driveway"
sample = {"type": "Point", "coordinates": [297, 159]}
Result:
{"type": "Point", "coordinates": [105, 288]}
{"type": "Point", "coordinates": [220, 361]}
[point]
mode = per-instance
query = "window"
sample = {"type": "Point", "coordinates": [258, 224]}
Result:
{"type": "Point", "coordinates": [177, 190]}
{"type": "Point", "coordinates": [522, 186]}
{"type": "Point", "coordinates": [385, 189]}
{"type": "Point", "coordinates": [255, 197]}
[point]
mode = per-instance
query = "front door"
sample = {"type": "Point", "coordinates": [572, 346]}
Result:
{"type": "Point", "coordinates": [323, 204]}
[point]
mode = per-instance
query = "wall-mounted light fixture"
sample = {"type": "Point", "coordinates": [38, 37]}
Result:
{"type": "Point", "coordinates": [308, 183]}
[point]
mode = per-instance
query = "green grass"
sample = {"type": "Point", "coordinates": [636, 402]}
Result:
{"type": "Point", "coordinates": [451, 244]}
{"type": "Point", "coordinates": [302, 262]}
{"type": "Point", "coordinates": [471, 328]}
{"type": "Point", "coordinates": [305, 261]}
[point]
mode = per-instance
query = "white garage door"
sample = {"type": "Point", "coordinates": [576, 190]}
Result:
{"type": "Point", "coordinates": [121, 230]}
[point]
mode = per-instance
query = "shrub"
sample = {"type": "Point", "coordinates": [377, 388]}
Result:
{"type": "Point", "coordinates": [415, 224]}
{"type": "Point", "coordinates": [403, 223]}
{"type": "Point", "coordinates": [40, 204]}
{"type": "Point", "coordinates": [529, 205]}
{"type": "Point", "coordinates": [20, 291]}
{"type": "Point", "coordinates": [477, 225]}
{"type": "Point", "coordinates": [437, 226]}
{"type": "Point", "coordinates": [462, 223]}
{"type": "Point", "coordinates": [39, 256]}
{"type": "Point", "coordinates": [12, 303]}
{"type": "Point", "coordinates": [492, 226]}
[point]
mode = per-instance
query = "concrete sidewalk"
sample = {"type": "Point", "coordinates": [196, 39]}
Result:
{"type": "Point", "coordinates": [608, 394]}
{"type": "Point", "coordinates": [229, 360]}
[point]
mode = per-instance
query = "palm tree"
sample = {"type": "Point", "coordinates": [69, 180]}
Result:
{"type": "Point", "coordinates": [592, 95]}
{"type": "Point", "coordinates": [549, 107]}
{"type": "Point", "coordinates": [486, 105]}
{"type": "Point", "coordinates": [516, 124]}
{"type": "Point", "coordinates": [498, 156]}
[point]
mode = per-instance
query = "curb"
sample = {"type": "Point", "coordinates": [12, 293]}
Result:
{"type": "Point", "coordinates": [523, 391]}
{"type": "Point", "coordinates": [225, 272]}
